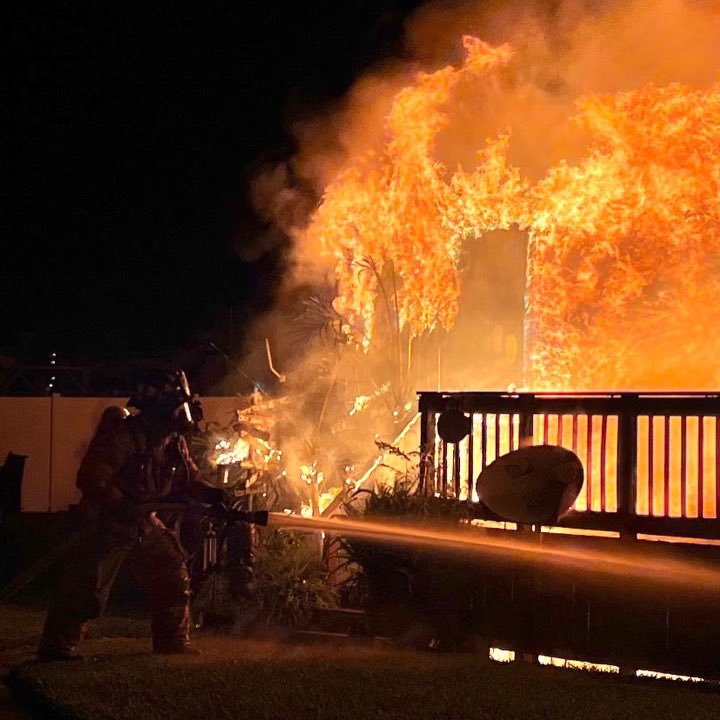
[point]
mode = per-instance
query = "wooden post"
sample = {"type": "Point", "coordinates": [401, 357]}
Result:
{"type": "Point", "coordinates": [627, 485]}
{"type": "Point", "coordinates": [427, 445]}
{"type": "Point", "coordinates": [527, 428]}
{"type": "Point", "coordinates": [529, 587]}
{"type": "Point", "coordinates": [456, 470]}
{"type": "Point", "coordinates": [627, 469]}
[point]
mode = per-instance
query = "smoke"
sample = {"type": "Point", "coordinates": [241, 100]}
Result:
{"type": "Point", "coordinates": [600, 46]}
{"type": "Point", "coordinates": [287, 193]}
{"type": "Point", "coordinates": [561, 53]}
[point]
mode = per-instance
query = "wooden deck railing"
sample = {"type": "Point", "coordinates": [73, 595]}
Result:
{"type": "Point", "coordinates": [651, 460]}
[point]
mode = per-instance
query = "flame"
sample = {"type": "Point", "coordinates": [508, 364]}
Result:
{"type": "Point", "coordinates": [324, 500]}
{"type": "Point", "coordinates": [577, 664]}
{"type": "Point", "coordinates": [320, 497]}
{"type": "Point", "coordinates": [229, 453]}
{"type": "Point", "coordinates": [500, 655]}
{"type": "Point", "coordinates": [390, 206]}
{"type": "Point", "coordinates": [624, 248]}
{"type": "Point", "coordinates": [623, 243]}
{"type": "Point", "coordinates": [623, 265]}
{"type": "Point", "coordinates": [668, 676]}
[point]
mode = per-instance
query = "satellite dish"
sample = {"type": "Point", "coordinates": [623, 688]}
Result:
{"type": "Point", "coordinates": [534, 485]}
{"type": "Point", "coordinates": [453, 426]}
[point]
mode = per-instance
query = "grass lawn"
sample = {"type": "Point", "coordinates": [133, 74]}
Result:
{"type": "Point", "coordinates": [19, 624]}
{"type": "Point", "coordinates": [252, 679]}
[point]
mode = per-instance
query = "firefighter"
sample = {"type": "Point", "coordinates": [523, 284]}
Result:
{"type": "Point", "coordinates": [131, 462]}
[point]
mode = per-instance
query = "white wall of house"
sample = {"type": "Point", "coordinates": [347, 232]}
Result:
{"type": "Point", "coordinates": [54, 433]}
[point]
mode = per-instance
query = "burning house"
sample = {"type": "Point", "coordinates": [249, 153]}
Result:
{"type": "Point", "coordinates": [540, 214]}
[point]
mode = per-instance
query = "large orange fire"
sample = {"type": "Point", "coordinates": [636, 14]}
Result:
{"type": "Point", "coordinates": [623, 244]}
{"type": "Point", "coordinates": [400, 206]}
{"type": "Point", "coordinates": [624, 251]}
{"type": "Point", "coordinates": [623, 269]}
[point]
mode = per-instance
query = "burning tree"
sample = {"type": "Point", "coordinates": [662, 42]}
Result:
{"type": "Point", "coordinates": [392, 223]}
{"type": "Point", "coordinates": [395, 218]}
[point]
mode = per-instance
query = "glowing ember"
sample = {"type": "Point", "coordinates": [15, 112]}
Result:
{"type": "Point", "coordinates": [266, 453]}
{"type": "Point", "coordinates": [311, 475]}
{"type": "Point", "coordinates": [229, 453]}
{"type": "Point", "coordinates": [360, 403]}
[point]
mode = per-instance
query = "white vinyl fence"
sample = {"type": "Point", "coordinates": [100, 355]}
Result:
{"type": "Point", "coordinates": [54, 433]}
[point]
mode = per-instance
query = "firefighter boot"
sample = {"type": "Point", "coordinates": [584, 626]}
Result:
{"type": "Point", "coordinates": [60, 639]}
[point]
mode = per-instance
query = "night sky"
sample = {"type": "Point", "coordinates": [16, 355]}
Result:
{"type": "Point", "coordinates": [132, 132]}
